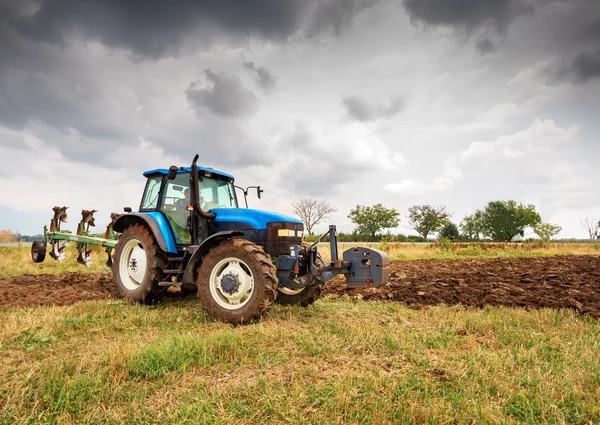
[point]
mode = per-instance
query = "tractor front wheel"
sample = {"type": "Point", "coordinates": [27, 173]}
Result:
{"type": "Point", "coordinates": [236, 281]}
{"type": "Point", "coordinates": [137, 265]}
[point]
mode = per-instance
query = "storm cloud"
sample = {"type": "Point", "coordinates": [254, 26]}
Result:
{"type": "Point", "coordinates": [468, 15]}
{"type": "Point", "coordinates": [157, 29]}
{"type": "Point", "coordinates": [222, 95]}
{"type": "Point", "coordinates": [587, 66]}
{"type": "Point", "coordinates": [355, 101]}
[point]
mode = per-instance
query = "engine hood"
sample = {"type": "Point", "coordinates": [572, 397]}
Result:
{"type": "Point", "coordinates": [255, 219]}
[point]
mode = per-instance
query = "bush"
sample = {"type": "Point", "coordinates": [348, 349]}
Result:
{"type": "Point", "coordinates": [445, 244]}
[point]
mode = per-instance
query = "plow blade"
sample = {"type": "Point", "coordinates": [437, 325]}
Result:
{"type": "Point", "coordinates": [370, 267]}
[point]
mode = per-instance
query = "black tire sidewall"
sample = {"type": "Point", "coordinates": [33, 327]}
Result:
{"type": "Point", "coordinates": [38, 251]}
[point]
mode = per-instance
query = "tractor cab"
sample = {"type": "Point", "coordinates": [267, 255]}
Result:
{"type": "Point", "coordinates": [171, 195]}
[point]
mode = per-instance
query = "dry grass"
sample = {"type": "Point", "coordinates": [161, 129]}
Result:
{"type": "Point", "coordinates": [16, 261]}
{"type": "Point", "coordinates": [340, 361]}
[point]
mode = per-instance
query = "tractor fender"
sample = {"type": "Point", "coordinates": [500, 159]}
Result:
{"type": "Point", "coordinates": [156, 222]}
{"type": "Point", "coordinates": [203, 248]}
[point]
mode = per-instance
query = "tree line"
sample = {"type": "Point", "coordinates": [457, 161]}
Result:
{"type": "Point", "coordinates": [499, 221]}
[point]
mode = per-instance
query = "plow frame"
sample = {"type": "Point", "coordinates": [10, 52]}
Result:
{"type": "Point", "coordinates": [57, 238]}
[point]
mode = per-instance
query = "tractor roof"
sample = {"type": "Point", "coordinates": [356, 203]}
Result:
{"type": "Point", "coordinates": [187, 170]}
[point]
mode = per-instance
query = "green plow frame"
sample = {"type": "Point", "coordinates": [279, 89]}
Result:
{"type": "Point", "coordinates": [58, 238]}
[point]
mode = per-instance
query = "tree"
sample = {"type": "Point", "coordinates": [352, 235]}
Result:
{"type": "Point", "coordinates": [312, 211]}
{"type": "Point", "coordinates": [503, 220]}
{"type": "Point", "coordinates": [371, 220]}
{"type": "Point", "coordinates": [426, 219]}
{"type": "Point", "coordinates": [471, 225]}
{"type": "Point", "coordinates": [450, 231]}
{"type": "Point", "coordinates": [592, 226]}
{"type": "Point", "coordinates": [7, 236]}
{"type": "Point", "coordinates": [546, 231]}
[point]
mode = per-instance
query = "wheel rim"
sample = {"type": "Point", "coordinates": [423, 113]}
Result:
{"type": "Point", "coordinates": [231, 283]}
{"type": "Point", "coordinates": [132, 265]}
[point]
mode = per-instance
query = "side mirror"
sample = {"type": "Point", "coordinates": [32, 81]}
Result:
{"type": "Point", "coordinates": [259, 191]}
{"type": "Point", "coordinates": [127, 209]}
{"type": "Point", "coordinates": [172, 172]}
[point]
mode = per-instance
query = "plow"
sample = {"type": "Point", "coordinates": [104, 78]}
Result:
{"type": "Point", "coordinates": [57, 239]}
{"type": "Point", "coordinates": [189, 232]}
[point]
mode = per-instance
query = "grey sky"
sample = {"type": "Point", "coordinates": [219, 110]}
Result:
{"type": "Point", "coordinates": [454, 102]}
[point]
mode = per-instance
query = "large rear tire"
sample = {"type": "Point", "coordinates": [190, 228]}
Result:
{"type": "Point", "coordinates": [236, 281]}
{"type": "Point", "coordinates": [305, 296]}
{"type": "Point", "coordinates": [137, 266]}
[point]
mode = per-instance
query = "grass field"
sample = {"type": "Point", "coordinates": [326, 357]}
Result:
{"type": "Point", "coordinates": [340, 361]}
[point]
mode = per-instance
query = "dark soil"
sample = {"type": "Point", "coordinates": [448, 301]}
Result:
{"type": "Point", "coordinates": [554, 282]}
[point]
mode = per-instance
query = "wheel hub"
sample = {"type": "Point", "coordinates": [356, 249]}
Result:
{"type": "Point", "coordinates": [230, 283]}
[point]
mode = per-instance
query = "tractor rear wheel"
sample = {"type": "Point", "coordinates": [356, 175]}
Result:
{"type": "Point", "coordinates": [236, 281]}
{"type": "Point", "coordinates": [137, 266]}
{"type": "Point", "coordinates": [38, 251]}
{"type": "Point", "coordinates": [304, 296]}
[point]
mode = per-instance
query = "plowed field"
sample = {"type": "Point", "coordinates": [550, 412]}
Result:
{"type": "Point", "coordinates": [555, 282]}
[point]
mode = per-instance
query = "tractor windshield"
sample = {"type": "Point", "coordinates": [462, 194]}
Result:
{"type": "Point", "coordinates": [216, 192]}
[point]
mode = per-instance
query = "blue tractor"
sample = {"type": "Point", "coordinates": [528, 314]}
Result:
{"type": "Point", "coordinates": [191, 233]}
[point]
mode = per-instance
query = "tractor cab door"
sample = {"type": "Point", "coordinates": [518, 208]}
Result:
{"type": "Point", "coordinates": [174, 204]}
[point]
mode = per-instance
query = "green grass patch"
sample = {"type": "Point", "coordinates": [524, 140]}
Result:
{"type": "Point", "coordinates": [339, 361]}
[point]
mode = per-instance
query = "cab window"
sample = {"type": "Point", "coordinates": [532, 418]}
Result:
{"type": "Point", "coordinates": [150, 198]}
{"type": "Point", "coordinates": [216, 193]}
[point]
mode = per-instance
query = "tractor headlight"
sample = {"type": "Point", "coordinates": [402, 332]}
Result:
{"type": "Point", "coordinates": [286, 233]}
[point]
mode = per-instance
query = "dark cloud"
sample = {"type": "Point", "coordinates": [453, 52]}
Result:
{"type": "Point", "coordinates": [224, 96]}
{"type": "Point", "coordinates": [586, 66]}
{"type": "Point", "coordinates": [592, 30]}
{"type": "Point", "coordinates": [264, 79]}
{"type": "Point", "coordinates": [485, 46]}
{"type": "Point", "coordinates": [360, 110]}
{"type": "Point", "coordinates": [337, 14]}
{"type": "Point", "coordinates": [158, 28]}
{"type": "Point", "coordinates": [468, 15]}
{"type": "Point", "coordinates": [155, 29]}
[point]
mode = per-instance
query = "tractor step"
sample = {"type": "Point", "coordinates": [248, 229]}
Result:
{"type": "Point", "coordinates": [169, 283]}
